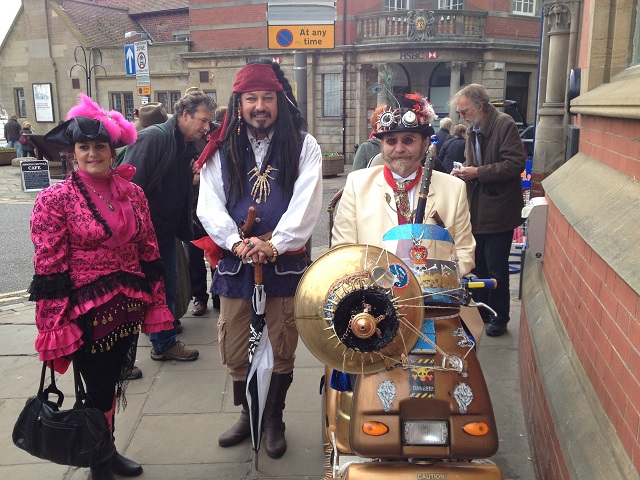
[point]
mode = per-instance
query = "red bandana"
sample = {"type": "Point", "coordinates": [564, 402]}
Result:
{"type": "Point", "coordinates": [257, 77]}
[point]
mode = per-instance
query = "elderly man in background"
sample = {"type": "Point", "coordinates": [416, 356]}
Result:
{"type": "Point", "coordinates": [494, 162]}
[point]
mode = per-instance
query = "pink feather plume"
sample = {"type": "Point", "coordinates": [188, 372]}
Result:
{"type": "Point", "coordinates": [120, 130]}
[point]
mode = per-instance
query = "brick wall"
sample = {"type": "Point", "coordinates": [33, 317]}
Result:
{"type": "Point", "coordinates": [161, 26]}
{"type": "Point", "coordinates": [613, 141]}
{"type": "Point", "coordinates": [600, 313]}
{"type": "Point", "coordinates": [549, 458]}
{"type": "Point", "coordinates": [512, 28]}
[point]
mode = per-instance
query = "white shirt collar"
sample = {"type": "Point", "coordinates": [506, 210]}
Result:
{"type": "Point", "coordinates": [260, 147]}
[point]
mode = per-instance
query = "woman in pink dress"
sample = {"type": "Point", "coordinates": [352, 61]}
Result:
{"type": "Point", "coordinates": [98, 279]}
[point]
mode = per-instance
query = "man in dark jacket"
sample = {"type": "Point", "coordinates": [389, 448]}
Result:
{"type": "Point", "coordinates": [165, 175]}
{"type": "Point", "coordinates": [494, 162]}
{"type": "Point", "coordinates": [12, 134]}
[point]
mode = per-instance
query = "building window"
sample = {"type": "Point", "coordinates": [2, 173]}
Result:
{"type": "Point", "coordinates": [391, 5]}
{"type": "Point", "coordinates": [21, 104]}
{"type": "Point", "coordinates": [168, 99]}
{"type": "Point", "coordinates": [450, 4]}
{"type": "Point", "coordinates": [213, 95]}
{"type": "Point", "coordinates": [523, 7]}
{"type": "Point", "coordinates": [182, 38]}
{"type": "Point", "coordinates": [331, 95]}
{"type": "Point", "coordinates": [122, 102]}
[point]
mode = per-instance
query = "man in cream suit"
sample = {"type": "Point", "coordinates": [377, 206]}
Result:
{"type": "Point", "coordinates": [372, 202]}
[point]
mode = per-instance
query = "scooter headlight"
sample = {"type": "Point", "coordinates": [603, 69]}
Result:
{"type": "Point", "coordinates": [426, 432]}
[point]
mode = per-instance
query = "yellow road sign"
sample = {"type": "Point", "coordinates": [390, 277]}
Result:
{"type": "Point", "coordinates": [297, 37]}
{"type": "Point", "coordinates": [143, 90]}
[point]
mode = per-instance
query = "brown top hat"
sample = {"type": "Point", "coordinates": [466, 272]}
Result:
{"type": "Point", "coordinates": [150, 114]}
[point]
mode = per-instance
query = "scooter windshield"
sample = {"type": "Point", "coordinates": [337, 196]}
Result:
{"type": "Point", "coordinates": [429, 252]}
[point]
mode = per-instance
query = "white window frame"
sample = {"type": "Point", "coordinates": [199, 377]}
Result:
{"type": "Point", "coordinates": [331, 95]}
{"type": "Point", "coordinates": [450, 4]}
{"type": "Point", "coordinates": [524, 7]}
{"type": "Point", "coordinates": [393, 5]}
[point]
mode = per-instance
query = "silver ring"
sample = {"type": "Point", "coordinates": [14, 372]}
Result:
{"type": "Point", "coordinates": [250, 261]}
{"type": "Point", "coordinates": [250, 245]}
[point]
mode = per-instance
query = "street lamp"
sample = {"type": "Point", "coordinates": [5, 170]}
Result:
{"type": "Point", "coordinates": [90, 63]}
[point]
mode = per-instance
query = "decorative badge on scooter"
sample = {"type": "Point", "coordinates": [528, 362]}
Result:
{"type": "Point", "coordinates": [387, 394]}
{"type": "Point", "coordinates": [466, 342]}
{"type": "Point", "coordinates": [401, 275]}
{"type": "Point", "coordinates": [464, 396]}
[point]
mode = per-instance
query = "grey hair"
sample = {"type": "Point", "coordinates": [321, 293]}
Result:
{"type": "Point", "coordinates": [476, 94]}
{"type": "Point", "coordinates": [191, 103]}
{"type": "Point", "coordinates": [445, 123]}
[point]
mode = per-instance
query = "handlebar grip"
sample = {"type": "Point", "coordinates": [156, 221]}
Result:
{"type": "Point", "coordinates": [488, 283]}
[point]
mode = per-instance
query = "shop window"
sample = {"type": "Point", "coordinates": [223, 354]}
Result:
{"type": "Point", "coordinates": [331, 95]}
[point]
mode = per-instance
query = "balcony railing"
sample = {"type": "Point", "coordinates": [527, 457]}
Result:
{"type": "Point", "coordinates": [432, 25]}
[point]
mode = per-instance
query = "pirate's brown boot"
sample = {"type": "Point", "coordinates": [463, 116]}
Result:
{"type": "Point", "coordinates": [274, 442]}
{"type": "Point", "coordinates": [242, 429]}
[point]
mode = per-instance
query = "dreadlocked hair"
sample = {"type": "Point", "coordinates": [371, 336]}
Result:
{"type": "Point", "coordinates": [288, 135]}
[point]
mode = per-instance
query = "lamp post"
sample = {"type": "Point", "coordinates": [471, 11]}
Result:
{"type": "Point", "coordinates": [90, 63]}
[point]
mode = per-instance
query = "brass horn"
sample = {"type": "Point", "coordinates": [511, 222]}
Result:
{"type": "Point", "coordinates": [359, 309]}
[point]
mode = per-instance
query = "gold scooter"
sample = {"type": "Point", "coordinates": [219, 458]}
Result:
{"type": "Point", "coordinates": [403, 393]}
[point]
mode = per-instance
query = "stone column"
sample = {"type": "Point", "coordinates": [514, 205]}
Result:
{"type": "Point", "coordinates": [454, 86]}
{"type": "Point", "coordinates": [561, 19]}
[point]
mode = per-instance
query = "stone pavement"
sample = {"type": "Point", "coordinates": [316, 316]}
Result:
{"type": "Point", "coordinates": [176, 412]}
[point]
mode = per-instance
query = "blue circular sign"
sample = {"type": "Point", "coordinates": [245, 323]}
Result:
{"type": "Point", "coordinates": [401, 274]}
{"type": "Point", "coordinates": [284, 37]}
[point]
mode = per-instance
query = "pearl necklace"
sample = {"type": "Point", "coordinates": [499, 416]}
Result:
{"type": "Point", "coordinates": [108, 202]}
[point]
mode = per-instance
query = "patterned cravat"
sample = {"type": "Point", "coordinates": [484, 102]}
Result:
{"type": "Point", "coordinates": [402, 200]}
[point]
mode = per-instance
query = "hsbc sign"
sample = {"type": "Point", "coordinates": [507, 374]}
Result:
{"type": "Point", "coordinates": [419, 55]}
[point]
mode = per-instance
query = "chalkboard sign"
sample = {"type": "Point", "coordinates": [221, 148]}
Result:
{"type": "Point", "coordinates": [35, 175]}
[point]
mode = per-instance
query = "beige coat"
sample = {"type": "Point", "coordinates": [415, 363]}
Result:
{"type": "Point", "coordinates": [367, 211]}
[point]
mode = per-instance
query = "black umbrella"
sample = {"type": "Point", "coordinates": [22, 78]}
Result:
{"type": "Point", "coordinates": [260, 361]}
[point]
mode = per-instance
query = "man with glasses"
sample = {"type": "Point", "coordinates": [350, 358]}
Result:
{"type": "Point", "coordinates": [377, 199]}
{"type": "Point", "coordinates": [494, 162]}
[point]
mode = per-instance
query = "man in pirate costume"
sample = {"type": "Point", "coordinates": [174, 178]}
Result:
{"type": "Point", "coordinates": [379, 198]}
{"type": "Point", "coordinates": [263, 158]}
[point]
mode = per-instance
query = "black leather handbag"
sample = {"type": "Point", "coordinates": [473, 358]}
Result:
{"type": "Point", "coordinates": [79, 437]}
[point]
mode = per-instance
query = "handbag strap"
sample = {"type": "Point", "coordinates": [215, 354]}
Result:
{"type": "Point", "coordinates": [82, 399]}
{"type": "Point", "coordinates": [43, 393]}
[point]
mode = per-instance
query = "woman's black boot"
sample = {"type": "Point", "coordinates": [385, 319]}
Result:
{"type": "Point", "coordinates": [124, 467]}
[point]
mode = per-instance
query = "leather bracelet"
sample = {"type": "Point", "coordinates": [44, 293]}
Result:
{"type": "Point", "coordinates": [234, 246]}
{"type": "Point", "coordinates": [274, 250]}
